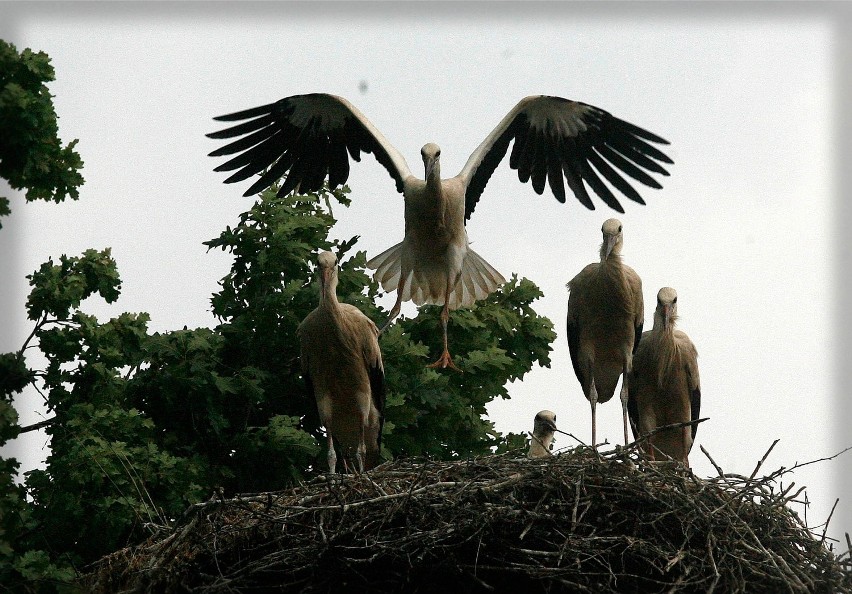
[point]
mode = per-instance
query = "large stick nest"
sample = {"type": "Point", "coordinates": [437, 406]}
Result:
{"type": "Point", "coordinates": [575, 522]}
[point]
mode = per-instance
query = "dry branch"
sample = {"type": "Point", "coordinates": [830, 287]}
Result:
{"type": "Point", "coordinates": [573, 522]}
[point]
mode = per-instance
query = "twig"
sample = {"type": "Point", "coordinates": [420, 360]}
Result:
{"type": "Point", "coordinates": [762, 460]}
{"type": "Point", "coordinates": [712, 461]}
{"type": "Point", "coordinates": [831, 513]}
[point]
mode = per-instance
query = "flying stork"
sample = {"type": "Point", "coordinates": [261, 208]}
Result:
{"type": "Point", "coordinates": [311, 138]}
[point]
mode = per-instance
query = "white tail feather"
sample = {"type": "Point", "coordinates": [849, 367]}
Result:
{"type": "Point", "coordinates": [477, 280]}
{"type": "Point", "coordinates": [387, 267]}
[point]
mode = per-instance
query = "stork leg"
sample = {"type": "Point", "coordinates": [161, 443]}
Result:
{"type": "Point", "coordinates": [625, 375]}
{"type": "Point", "coordinates": [445, 360]}
{"type": "Point", "coordinates": [332, 457]}
{"type": "Point", "coordinates": [593, 400]}
{"type": "Point", "coordinates": [400, 289]}
{"type": "Point", "coordinates": [361, 451]}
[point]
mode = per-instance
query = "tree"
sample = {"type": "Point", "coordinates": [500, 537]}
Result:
{"type": "Point", "coordinates": [31, 155]}
{"type": "Point", "coordinates": [146, 424]}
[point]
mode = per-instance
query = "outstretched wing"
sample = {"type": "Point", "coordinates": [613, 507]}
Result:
{"type": "Point", "coordinates": [307, 137]}
{"type": "Point", "coordinates": [556, 137]}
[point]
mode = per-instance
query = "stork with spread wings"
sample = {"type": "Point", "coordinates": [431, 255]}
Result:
{"type": "Point", "coordinates": [311, 139]}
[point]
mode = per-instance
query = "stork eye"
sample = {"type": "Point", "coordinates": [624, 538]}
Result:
{"type": "Point", "coordinates": [619, 228]}
{"type": "Point", "coordinates": [674, 300]}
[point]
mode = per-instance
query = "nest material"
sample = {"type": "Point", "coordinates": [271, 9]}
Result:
{"type": "Point", "coordinates": [576, 522]}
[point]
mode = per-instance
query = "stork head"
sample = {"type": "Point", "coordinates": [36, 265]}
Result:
{"type": "Point", "coordinates": [431, 154]}
{"type": "Point", "coordinates": [612, 238]}
{"type": "Point", "coordinates": [328, 273]}
{"type": "Point", "coordinates": [666, 308]}
{"type": "Point", "coordinates": [544, 423]}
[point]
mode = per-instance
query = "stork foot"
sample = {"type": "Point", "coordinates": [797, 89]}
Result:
{"type": "Point", "coordinates": [444, 361]}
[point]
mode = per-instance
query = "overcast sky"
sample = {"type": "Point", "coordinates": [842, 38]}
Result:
{"type": "Point", "coordinates": [746, 228]}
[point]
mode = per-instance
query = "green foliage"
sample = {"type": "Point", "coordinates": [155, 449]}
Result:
{"type": "Point", "coordinates": [58, 288]}
{"type": "Point", "coordinates": [147, 424]}
{"type": "Point", "coordinates": [439, 414]}
{"type": "Point", "coordinates": [31, 154]}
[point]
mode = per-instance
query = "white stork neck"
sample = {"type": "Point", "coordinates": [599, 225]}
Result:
{"type": "Point", "coordinates": [666, 348]}
{"type": "Point", "coordinates": [540, 444]}
{"type": "Point", "coordinates": [328, 291]}
{"type": "Point", "coordinates": [433, 178]}
{"type": "Point", "coordinates": [661, 326]}
{"type": "Point", "coordinates": [546, 439]}
{"type": "Point", "coordinates": [614, 254]}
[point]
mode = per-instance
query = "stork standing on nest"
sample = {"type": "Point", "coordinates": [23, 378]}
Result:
{"type": "Point", "coordinates": [342, 368]}
{"type": "Point", "coordinates": [544, 426]}
{"type": "Point", "coordinates": [311, 138]}
{"type": "Point", "coordinates": [664, 387]}
{"type": "Point", "coordinates": [605, 317]}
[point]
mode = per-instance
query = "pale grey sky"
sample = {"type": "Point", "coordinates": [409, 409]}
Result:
{"type": "Point", "coordinates": [744, 228]}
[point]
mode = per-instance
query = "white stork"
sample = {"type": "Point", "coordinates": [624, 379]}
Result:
{"type": "Point", "coordinates": [605, 317]}
{"type": "Point", "coordinates": [544, 426]}
{"type": "Point", "coordinates": [342, 367]}
{"type": "Point", "coordinates": [311, 138]}
{"type": "Point", "coordinates": [664, 387]}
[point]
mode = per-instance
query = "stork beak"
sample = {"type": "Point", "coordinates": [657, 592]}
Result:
{"type": "Point", "coordinates": [546, 424]}
{"type": "Point", "coordinates": [667, 316]}
{"type": "Point", "coordinates": [610, 243]}
{"type": "Point", "coordinates": [430, 166]}
{"type": "Point", "coordinates": [324, 278]}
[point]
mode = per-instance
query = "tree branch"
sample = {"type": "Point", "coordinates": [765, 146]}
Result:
{"type": "Point", "coordinates": [37, 426]}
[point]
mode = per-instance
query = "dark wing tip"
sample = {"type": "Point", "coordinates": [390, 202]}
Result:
{"type": "Point", "coordinates": [246, 113]}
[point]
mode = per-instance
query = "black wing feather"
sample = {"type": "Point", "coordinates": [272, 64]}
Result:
{"type": "Point", "coordinates": [574, 349]}
{"type": "Point", "coordinates": [616, 159]}
{"type": "Point", "coordinates": [605, 146]}
{"type": "Point", "coordinates": [554, 178]}
{"type": "Point", "coordinates": [254, 157]}
{"type": "Point", "coordinates": [612, 177]}
{"type": "Point", "coordinates": [695, 402]}
{"type": "Point", "coordinates": [245, 114]}
{"type": "Point", "coordinates": [539, 163]}
{"type": "Point", "coordinates": [591, 178]}
{"type": "Point", "coordinates": [631, 152]}
{"type": "Point", "coordinates": [633, 411]}
{"type": "Point", "coordinates": [307, 148]}
{"type": "Point", "coordinates": [638, 337]}
{"type": "Point", "coordinates": [242, 144]}
{"type": "Point", "coordinates": [574, 176]}
{"type": "Point", "coordinates": [489, 163]}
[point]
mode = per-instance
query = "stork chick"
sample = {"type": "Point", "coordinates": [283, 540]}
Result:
{"type": "Point", "coordinates": [664, 387]}
{"type": "Point", "coordinates": [544, 426]}
{"type": "Point", "coordinates": [342, 367]}
{"type": "Point", "coordinates": [605, 317]}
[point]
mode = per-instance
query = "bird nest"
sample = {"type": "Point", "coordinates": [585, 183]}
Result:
{"type": "Point", "coordinates": [576, 522]}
